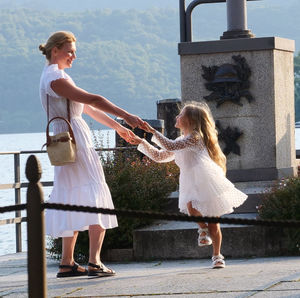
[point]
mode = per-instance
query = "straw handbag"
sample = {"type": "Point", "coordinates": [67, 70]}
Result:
{"type": "Point", "coordinates": [61, 148]}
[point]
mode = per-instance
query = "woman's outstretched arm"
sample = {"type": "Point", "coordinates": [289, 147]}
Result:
{"type": "Point", "coordinates": [108, 121]}
{"type": "Point", "coordinates": [65, 88]}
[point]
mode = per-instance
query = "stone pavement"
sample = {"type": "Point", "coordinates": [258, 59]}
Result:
{"type": "Point", "coordinates": [256, 277]}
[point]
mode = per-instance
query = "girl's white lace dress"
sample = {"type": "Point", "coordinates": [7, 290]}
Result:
{"type": "Point", "coordinates": [201, 181]}
{"type": "Point", "coordinates": [79, 183]}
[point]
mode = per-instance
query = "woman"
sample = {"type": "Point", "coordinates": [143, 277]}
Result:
{"type": "Point", "coordinates": [82, 182]}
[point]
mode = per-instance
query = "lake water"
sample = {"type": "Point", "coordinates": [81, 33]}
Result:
{"type": "Point", "coordinates": [27, 142]}
{"type": "Point", "coordinates": [34, 141]}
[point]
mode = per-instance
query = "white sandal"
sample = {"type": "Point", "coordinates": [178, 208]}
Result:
{"type": "Point", "coordinates": [204, 240]}
{"type": "Point", "coordinates": [218, 262]}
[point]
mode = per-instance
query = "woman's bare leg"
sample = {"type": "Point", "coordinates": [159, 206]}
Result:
{"type": "Point", "coordinates": [96, 235]}
{"type": "Point", "coordinates": [68, 246]}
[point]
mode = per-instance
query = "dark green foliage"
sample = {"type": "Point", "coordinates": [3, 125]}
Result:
{"type": "Point", "coordinates": [54, 247]}
{"type": "Point", "coordinates": [282, 202]}
{"type": "Point", "coordinates": [136, 183]}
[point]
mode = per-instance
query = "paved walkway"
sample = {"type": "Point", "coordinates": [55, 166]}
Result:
{"type": "Point", "coordinates": [257, 277]}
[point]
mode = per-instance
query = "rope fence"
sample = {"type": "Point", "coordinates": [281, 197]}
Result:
{"type": "Point", "coordinates": [159, 215]}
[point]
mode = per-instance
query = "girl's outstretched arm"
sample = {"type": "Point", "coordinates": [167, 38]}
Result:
{"type": "Point", "coordinates": [178, 144]}
{"type": "Point", "coordinates": [152, 152]}
{"type": "Point", "coordinates": [158, 155]}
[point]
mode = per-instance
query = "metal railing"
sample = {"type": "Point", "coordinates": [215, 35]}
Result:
{"type": "Point", "coordinates": [17, 185]}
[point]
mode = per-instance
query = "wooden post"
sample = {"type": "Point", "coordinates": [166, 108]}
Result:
{"type": "Point", "coordinates": [35, 231]}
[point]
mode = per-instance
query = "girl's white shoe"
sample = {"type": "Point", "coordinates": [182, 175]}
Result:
{"type": "Point", "coordinates": [218, 262]}
{"type": "Point", "coordinates": [204, 238]}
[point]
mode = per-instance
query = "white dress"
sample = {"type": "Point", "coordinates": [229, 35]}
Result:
{"type": "Point", "coordinates": [79, 183]}
{"type": "Point", "coordinates": [201, 180]}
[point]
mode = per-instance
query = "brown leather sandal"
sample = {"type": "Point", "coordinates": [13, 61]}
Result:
{"type": "Point", "coordinates": [72, 273]}
{"type": "Point", "coordinates": [101, 271]}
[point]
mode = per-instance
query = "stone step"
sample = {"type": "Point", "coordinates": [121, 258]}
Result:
{"type": "Point", "coordinates": [178, 240]}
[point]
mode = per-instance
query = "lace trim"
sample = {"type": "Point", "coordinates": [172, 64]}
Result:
{"type": "Point", "coordinates": [189, 141]}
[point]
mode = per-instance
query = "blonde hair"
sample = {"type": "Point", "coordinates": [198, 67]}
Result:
{"type": "Point", "coordinates": [57, 39]}
{"type": "Point", "coordinates": [201, 120]}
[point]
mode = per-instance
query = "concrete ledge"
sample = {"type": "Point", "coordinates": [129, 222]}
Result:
{"type": "Point", "coordinates": [118, 255]}
{"type": "Point", "coordinates": [236, 45]}
{"type": "Point", "coordinates": [238, 242]}
{"type": "Point", "coordinates": [263, 174]}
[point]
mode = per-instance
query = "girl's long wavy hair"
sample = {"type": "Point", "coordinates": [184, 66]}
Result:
{"type": "Point", "coordinates": [200, 119]}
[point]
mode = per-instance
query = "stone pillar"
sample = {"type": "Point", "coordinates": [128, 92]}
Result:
{"type": "Point", "coordinates": [264, 114]}
{"type": "Point", "coordinates": [167, 109]}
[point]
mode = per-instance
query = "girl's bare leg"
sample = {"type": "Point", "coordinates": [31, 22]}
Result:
{"type": "Point", "coordinates": [213, 229]}
{"type": "Point", "coordinates": [202, 225]}
{"type": "Point", "coordinates": [216, 236]}
{"type": "Point", "coordinates": [195, 212]}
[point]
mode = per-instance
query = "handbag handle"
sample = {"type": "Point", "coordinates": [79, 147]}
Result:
{"type": "Point", "coordinates": [69, 126]}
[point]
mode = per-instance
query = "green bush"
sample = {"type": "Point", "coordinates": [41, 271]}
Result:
{"type": "Point", "coordinates": [282, 202]}
{"type": "Point", "coordinates": [136, 183]}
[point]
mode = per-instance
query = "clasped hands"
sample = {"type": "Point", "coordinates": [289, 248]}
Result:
{"type": "Point", "coordinates": [128, 135]}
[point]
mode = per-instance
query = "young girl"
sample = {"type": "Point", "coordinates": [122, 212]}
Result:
{"type": "Point", "coordinates": [203, 188]}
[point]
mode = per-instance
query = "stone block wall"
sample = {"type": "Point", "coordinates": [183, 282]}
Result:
{"type": "Point", "coordinates": [267, 146]}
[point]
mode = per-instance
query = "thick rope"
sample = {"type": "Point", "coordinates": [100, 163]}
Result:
{"type": "Point", "coordinates": [176, 217]}
{"type": "Point", "coordinates": [13, 208]}
{"type": "Point", "coordinates": [160, 215]}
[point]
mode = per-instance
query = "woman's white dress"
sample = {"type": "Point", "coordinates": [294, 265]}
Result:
{"type": "Point", "coordinates": [201, 180]}
{"type": "Point", "coordinates": [79, 183]}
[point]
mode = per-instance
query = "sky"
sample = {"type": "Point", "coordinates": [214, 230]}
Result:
{"type": "Point", "coordinates": [71, 5]}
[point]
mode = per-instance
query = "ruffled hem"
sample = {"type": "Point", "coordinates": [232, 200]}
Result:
{"type": "Point", "coordinates": [78, 223]}
{"type": "Point", "coordinates": [223, 204]}
{"type": "Point", "coordinates": [64, 223]}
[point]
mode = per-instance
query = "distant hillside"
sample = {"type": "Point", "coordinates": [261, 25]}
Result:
{"type": "Point", "coordinates": [128, 55]}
